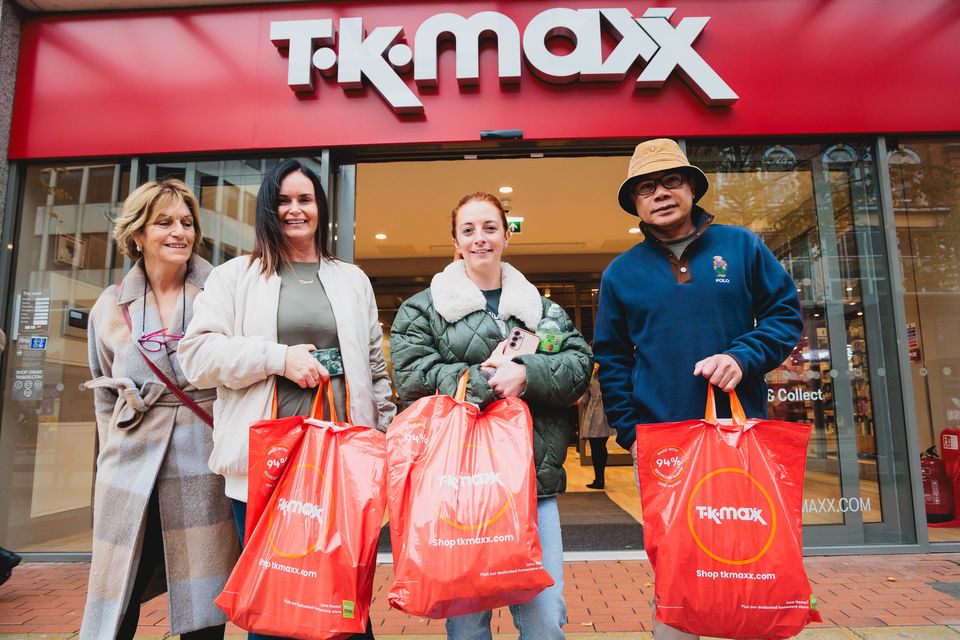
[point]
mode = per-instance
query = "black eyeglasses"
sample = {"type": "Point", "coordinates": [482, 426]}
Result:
{"type": "Point", "coordinates": [646, 188]}
{"type": "Point", "coordinates": [156, 341]}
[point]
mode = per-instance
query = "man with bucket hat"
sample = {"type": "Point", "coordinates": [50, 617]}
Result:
{"type": "Point", "coordinates": [694, 302]}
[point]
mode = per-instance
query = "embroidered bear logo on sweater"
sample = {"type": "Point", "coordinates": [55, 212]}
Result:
{"type": "Point", "coordinates": [720, 269]}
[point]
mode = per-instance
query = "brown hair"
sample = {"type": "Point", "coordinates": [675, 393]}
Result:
{"type": "Point", "coordinates": [270, 245]}
{"type": "Point", "coordinates": [143, 206]}
{"type": "Point", "coordinates": [479, 196]}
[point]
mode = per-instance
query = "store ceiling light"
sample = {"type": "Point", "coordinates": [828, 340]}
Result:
{"type": "Point", "coordinates": [381, 236]}
{"type": "Point", "coordinates": [506, 189]}
{"type": "Point", "coordinates": [633, 230]}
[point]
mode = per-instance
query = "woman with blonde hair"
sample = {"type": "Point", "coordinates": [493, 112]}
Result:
{"type": "Point", "coordinates": [161, 522]}
{"type": "Point", "coordinates": [265, 322]}
{"type": "Point", "coordinates": [456, 325]}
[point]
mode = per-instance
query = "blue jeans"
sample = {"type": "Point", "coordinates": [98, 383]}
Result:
{"type": "Point", "coordinates": [240, 518]}
{"type": "Point", "coordinates": [543, 617]}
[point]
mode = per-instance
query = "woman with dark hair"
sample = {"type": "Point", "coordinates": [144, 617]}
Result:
{"type": "Point", "coordinates": [456, 325]}
{"type": "Point", "coordinates": [264, 323]}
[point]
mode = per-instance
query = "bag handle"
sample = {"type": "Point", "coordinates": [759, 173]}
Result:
{"type": "Point", "coordinates": [316, 409]}
{"type": "Point", "coordinates": [176, 390]}
{"type": "Point", "coordinates": [461, 393]}
{"type": "Point", "coordinates": [736, 409]}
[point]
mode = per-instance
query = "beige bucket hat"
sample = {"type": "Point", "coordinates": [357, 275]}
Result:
{"type": "Point", "coordinates": [652, 156]}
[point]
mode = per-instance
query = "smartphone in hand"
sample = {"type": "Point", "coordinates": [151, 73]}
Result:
{"type": "Point", "coordinates": [520, 342]}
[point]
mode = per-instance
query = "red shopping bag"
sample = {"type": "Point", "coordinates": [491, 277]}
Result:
{"type": "Point", "coordinates": [722, 507]}
{"type": "Point", "coordinates": [307, 569]}
{"type": "Point", "coordinates": [463, 507]}
{"type": "Point", "coordinates": [272, 444]}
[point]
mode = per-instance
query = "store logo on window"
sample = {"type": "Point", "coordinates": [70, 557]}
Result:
{"type": "Point", "coordinates": [382, 55]}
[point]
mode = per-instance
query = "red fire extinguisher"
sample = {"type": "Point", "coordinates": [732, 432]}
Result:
{"type": "Point", "coordinates": [937, 492]}
{"type": "Point", "coordinates": [950, 451]}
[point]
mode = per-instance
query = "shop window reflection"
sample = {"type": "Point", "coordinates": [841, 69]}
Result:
{"type": "Point", "coordinates": [925, 185]}
{"type": "Point", "coordinates": [65, 258]}
{"type": "Point", "coordinates": [816, 208]}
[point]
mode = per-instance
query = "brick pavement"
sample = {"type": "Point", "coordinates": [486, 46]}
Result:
{"type": "Point", "coordinates": [865, 596]}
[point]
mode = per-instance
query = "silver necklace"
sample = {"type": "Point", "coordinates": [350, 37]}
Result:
{"type": "Point", "coordinates": [301, 280]}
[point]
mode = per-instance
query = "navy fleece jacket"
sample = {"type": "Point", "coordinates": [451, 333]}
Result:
{"type": "Point", "coordinates": [658, 316]}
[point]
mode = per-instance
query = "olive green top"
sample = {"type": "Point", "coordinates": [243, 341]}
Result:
{"type": "Point", "coordinates": [306, 317]}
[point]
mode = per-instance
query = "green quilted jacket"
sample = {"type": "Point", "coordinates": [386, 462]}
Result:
{"type": "Point", "coordinates": [444, 330]}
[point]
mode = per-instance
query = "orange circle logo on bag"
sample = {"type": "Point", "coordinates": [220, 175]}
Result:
{"type": "Point", "coordinates": [472, 499]}
{"type": "Point", "coordinates": [298, 526]}
{"type": "Point", "coordinates": [731, 516]}
{"type": "Point", "coordinates": [668, 464]}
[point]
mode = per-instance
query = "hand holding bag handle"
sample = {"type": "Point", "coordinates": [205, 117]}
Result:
{"type": "Point", "coordinates": [316, 410]}
{"type": "Point", "coordinates": [729, 432]}
{"type": "Point", "coordinates": [736, 409]}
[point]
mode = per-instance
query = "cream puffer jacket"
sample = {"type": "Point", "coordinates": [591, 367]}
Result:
{"type": "Point", "coordinates": [231, 344]}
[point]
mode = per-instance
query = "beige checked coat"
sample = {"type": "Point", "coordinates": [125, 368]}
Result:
{"type": "Point", "coordinates": [149, 440]}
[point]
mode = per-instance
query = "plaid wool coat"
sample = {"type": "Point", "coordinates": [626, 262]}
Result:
{"type": "Point", "coordinates": [150, 441]}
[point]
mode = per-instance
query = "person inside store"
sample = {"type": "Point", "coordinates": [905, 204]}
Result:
{"type": "Point", "coordinates": [264, 321]}
{"type": "Point", "coordinates": [160, 520]}
{"type": "Point", "coordinates": [595, 429]}
{"type": "Point", "coordinates": [8, 559]}
{"type": "Point", "coordinates": [454, 326]}
{"type": "Point", "coordinates": [694, 303]}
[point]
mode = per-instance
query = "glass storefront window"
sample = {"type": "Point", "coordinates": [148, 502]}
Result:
{"type": "Point", "coordinates": [65, 258]}
{"type": "Point", "coordinates": [925, 185]}
{"type": "Point", "coordinates": [817, 208]}
{"type": "Point", "coordinates": [815, 205]}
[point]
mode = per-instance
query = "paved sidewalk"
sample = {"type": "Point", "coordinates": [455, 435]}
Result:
{"type": "Point", "coordinates": [861, 597]}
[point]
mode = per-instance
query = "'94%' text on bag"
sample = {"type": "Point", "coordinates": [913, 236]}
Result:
{"type": "Point", "coordinates": [722, 524]}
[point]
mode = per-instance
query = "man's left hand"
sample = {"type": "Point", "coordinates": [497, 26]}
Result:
{"type": "Point", "coordinates": [722, 371]}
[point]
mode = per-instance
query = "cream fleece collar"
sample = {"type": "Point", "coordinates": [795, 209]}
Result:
{"type": "Point", "coordinates": [455, 295]}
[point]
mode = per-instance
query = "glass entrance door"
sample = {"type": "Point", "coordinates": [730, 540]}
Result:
{"type": "Point", "coordinates": [816, 206]}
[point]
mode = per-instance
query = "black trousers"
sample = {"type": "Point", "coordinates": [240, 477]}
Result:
{"type": "Point", "coordinates": [598, 454]}
{"type": "Point", "coordinates": [151, 555]}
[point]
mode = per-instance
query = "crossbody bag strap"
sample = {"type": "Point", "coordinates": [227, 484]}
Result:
{"type": "Point", "coordinates": [176, 390]}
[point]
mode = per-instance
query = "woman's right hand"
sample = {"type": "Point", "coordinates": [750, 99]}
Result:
{"type": "Point", "coordinates": [301, 367]}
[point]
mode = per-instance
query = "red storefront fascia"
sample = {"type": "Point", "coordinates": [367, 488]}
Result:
{"type": "Point", "coordinates": [231, 79]}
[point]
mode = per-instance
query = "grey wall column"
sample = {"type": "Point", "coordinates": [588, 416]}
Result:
{"type": "Point", "coordinates": [10, 17]}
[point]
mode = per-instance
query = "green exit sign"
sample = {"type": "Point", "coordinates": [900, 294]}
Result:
{"type": "Point", "coordinates": [515, 224]}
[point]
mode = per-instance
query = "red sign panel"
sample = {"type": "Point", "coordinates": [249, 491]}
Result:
{"type": "Point", "coordinates": [311, 75]}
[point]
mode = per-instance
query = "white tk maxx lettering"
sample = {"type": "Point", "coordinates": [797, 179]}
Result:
{"type": "Point", "coordinates": [381, 56]}
{"type": "Point", "coordinates": [475, 480]}
{"type": "Point", "coordinates": [718, 514]}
